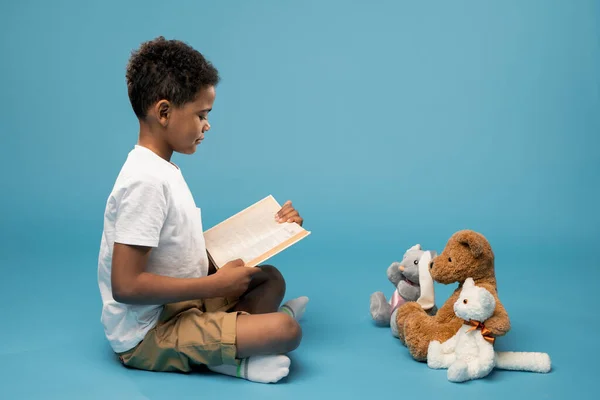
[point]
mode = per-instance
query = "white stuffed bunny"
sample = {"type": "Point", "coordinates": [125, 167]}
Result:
{"type": "Point", "coordinates": [470, 354]}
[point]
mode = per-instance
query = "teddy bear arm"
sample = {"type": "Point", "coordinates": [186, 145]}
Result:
{"type": "Point", "coordinates": [499, 323]}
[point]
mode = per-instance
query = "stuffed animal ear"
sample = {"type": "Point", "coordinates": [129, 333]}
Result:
{"type": "Point", "coordinates": [427, 296]}
{"type": "Point", "coordinates": [469, 283]}
{"type": "Point", "coordinates": [415, 247]}
{"type": "Point", "coordinates": [472, 241]}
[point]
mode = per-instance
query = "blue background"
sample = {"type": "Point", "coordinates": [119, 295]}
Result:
{"type": "Point", "coordinates": [388, 123]}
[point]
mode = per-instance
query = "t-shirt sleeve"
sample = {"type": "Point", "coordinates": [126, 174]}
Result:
{"type": "Point", "coordinates": [141, 214]}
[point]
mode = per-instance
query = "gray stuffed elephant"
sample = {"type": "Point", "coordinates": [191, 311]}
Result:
{"type": "Point", "coordinates": [406, 276]}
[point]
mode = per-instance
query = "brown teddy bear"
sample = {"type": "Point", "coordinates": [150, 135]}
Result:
{"type": "Point", "coordinates": [467, 254]}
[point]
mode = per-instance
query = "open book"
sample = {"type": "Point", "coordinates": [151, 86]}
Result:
{"type": "Point", "coordinates": [252, 235]}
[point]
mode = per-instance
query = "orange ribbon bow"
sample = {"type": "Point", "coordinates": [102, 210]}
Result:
{"type": "Point", "coordinates": [485, 332]}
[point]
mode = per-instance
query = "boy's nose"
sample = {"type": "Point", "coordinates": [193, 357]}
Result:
{"type": "Point", "coordinates": [206, 127]}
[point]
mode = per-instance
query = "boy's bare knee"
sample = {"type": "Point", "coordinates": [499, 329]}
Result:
{"type": "Point", "coordinates": [274, 278]}
{"type": "Point", "coordinates": [273, 333]}
{"type": "Point", "coordinates": [272, 273]}
{"type": "Point", "coordinates": [290, 333]}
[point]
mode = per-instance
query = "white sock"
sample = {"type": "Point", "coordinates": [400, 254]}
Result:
{"type": "Point", "coordinates": [261, 369]}
{"type": "Point", "coordinates": [266, 369]}
{"type": "Point", "coordinates": [295, 307]}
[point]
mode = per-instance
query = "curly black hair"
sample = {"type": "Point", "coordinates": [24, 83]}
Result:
{"type": "Point", "coordinates": [166, 69]}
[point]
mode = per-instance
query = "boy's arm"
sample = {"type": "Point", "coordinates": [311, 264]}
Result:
{"type": "Point", "coordinates": [141, 213]}
{"type": "Point", "coordinates": [133, 285]}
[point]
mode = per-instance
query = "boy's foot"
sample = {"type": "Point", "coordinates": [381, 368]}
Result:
{"type": "Point", "coordinates": [295, 307]}
{"type": "Point", "coordinates": [261, 369]}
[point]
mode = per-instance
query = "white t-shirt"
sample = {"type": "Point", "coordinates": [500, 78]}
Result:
{"type": "Point", "coordinates": [150, 205]}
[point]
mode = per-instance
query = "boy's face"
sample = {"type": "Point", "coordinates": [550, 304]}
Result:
{"type": "Point", "coordinates": [185, 126]}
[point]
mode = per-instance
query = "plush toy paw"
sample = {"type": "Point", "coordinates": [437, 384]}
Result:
{"type": "Point", "coordinates": [394, 273]}
{"type": "Point", "coordinates": [380, 309]}
{"type": "Point", "coordinates": [458, 372]}
{"type": "Point", "coordinates": [408, 291]}
{"type": "Point", "coordinates": [434, 355]}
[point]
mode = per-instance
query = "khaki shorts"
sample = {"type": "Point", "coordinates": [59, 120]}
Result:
{"type": "Point", "coordinates": [188, 334]}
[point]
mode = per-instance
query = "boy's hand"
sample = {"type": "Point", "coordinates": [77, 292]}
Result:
{"type": "Point", "coordinates": [288, 214]}
{"type": "Point", "coordinates": [234, 278]}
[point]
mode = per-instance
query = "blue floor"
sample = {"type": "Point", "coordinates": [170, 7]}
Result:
{"type": "Point", "coordinates": [52, 345]}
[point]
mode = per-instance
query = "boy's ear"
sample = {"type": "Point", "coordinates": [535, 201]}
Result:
{"type": "Point", "coordinates": [162, 111]}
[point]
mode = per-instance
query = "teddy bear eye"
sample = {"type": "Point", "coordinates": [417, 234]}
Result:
{"type": "Point", "coordinates": [449, 259]}
{"type": "Point", "coordinates": [416, 262]}
{"type": "Point", "coordinates": [465, 301]}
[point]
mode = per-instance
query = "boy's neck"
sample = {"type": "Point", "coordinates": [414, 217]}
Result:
{"type": "Point", "coordinates": [152, 140]}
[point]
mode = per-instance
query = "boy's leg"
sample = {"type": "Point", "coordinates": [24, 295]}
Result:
{"type": "Point", "coordinates": [261, 342]}
{"type": "Point", "coordinates": [231, 343]}
{"type": "Point", "coordinates": [266, 293]}
{"type": "Point", "coordinates": [269, 332]}
{"type": "Point", "coordinates": [265, 334]}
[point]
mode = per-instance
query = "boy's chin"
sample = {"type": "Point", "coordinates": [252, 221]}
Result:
{"type": "Point", "coordinates": [189, 150]}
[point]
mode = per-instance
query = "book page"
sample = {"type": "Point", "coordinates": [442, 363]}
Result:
{"type": "Point", "coordinates": [252, 235]}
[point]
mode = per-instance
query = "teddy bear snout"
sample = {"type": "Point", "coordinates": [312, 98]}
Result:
{"type": "Point", "coordinates": [401, 268]}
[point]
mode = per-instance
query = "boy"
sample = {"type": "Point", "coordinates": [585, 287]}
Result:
{"type": "Point", "coordinates": [165, 306]}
